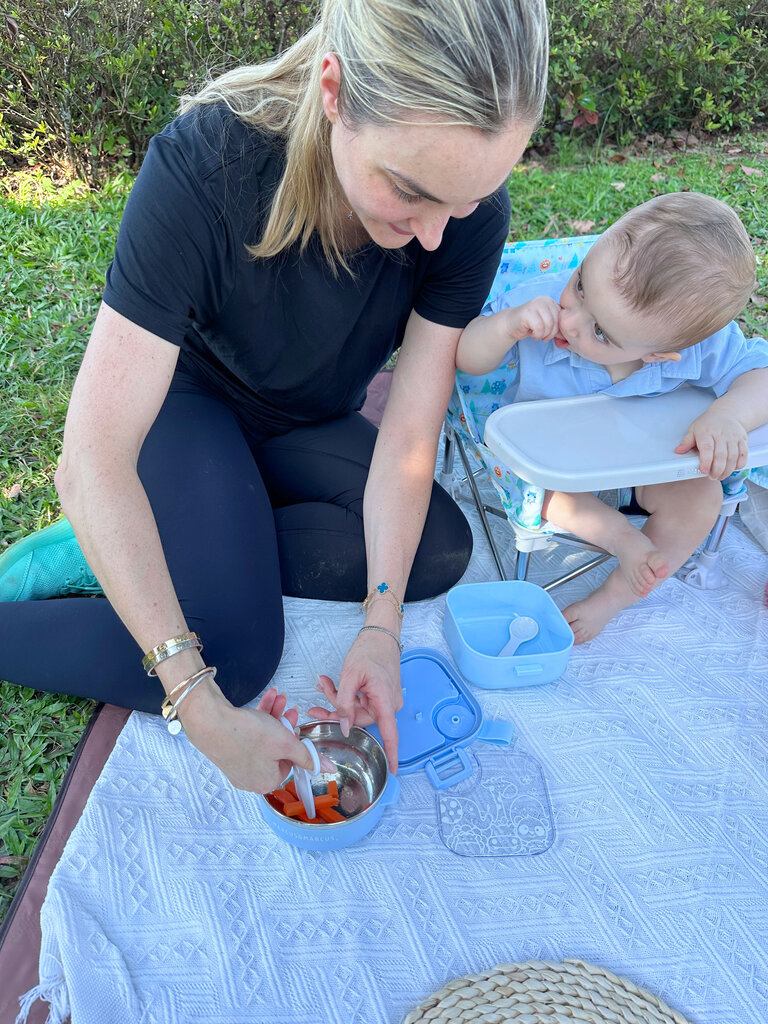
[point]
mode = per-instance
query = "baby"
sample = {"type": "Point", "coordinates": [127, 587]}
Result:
{"type": "Point", "coordinates": [650, 307]}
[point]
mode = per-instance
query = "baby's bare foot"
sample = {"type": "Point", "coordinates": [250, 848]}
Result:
{"type": "Point", "coordinates": [641, 563]}
{"type": "Point", "coordinates": [586, 618]}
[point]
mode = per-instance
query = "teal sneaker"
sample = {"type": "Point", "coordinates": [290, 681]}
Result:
{"type": "Point", "coordinates": [48, 563]}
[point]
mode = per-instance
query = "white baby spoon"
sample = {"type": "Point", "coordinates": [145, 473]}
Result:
{"type": "Point", "coordinates": [302, 777]}
{"type": "Point", "coordinates": [521, 628]}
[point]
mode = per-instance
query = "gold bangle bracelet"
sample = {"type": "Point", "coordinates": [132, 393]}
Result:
{"type": "Point", "coordinates": [167, 649]}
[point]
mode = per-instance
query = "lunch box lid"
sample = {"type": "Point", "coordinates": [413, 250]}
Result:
{"type": "Point", "coordinates": [439, 717]}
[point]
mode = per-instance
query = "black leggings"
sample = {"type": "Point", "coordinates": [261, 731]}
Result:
{"type": "Point", "coordinates": [241, 524]}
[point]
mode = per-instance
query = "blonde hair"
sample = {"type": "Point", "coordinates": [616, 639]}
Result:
{"type": "Point", "coordinates": [475, 63]}
{"type": "Point", "coordinates": [687, 256]}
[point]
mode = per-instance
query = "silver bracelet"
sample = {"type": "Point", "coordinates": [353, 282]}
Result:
{"type": "Point", "coordinates": [382, 629]}
{"type": "Point", "coordinates": [172, 715]}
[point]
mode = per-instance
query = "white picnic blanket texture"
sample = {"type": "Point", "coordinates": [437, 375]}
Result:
{"type": "Point", "coordinates": [174, 903]}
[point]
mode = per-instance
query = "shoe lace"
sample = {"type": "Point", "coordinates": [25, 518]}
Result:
{"type": "Point", "coordinates": [82, 581]}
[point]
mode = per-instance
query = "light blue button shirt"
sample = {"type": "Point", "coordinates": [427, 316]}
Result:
{"type": "Point", "coordinates": [546, 371]}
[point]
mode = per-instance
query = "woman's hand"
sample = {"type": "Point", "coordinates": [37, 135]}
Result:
{"type": "Point", "coordinates": [369, 690]}
{"type": "Point", "coordinates": [250, 746]}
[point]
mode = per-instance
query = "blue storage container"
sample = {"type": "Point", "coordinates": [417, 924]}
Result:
{"type": "Point", "coordinates": [476, 626]}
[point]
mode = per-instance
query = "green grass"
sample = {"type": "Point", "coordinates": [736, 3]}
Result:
{"type": "Point", "coordinates": [57, 243]}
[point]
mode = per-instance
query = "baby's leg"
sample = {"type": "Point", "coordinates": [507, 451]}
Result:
{"type": "Point", "coordinates": [640, 561]}
{"type": "Point", "coordinates": [681, 515]}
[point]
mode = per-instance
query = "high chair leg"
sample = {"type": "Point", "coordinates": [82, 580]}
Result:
{"type": "Point", "coordinates": [449, 452]}
{"type": "Point", "coordinates": [575, 573]}
{"type": "Point", "coordinates": [480, 507]}
{"type": "Point", "coordinates": [703, 570]}
{"type": "Point", "coordinates": [712, 543]}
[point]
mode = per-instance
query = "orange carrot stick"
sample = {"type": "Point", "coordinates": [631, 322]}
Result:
{"type": "Point", "coordinates": [282, 796]}
{"type": "Point", "coordinates": [329, 815]}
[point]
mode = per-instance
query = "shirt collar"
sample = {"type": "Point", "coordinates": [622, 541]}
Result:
{"type": "Point", "coordinates": [553, 354]}
{"type": "Point", "coordinates": [688, 368]}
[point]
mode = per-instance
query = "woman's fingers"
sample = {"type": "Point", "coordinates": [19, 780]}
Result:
{"type": "Point", "coordinates": [326, 687]}
{"type": "Point", "coordinates": [388, 729]}
{"type": "Point", "coordinates": [292, 714]}
{"type": "Point", "coordinates": [323, 714]}
{"type": "Point", "coordinates": [267, 700]}
{"type": "Point", "coordinates": [341, 714]}
{"type": "Point", "coordinates": [274, 703]}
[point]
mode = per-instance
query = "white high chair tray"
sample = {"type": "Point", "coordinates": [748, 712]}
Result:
{"type": "Point", "coordinates": [597, 442]}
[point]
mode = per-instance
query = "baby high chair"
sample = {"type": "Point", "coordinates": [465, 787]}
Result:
{"type": "Point", "coordinates": [521, 448]}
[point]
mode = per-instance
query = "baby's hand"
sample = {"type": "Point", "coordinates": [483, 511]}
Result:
{"type": "Point", "coordinates": [721, 441]}
{"type": "Point", "coordinates": [537, 318]}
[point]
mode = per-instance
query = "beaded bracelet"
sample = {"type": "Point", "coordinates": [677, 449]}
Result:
{"type": "Point", "coordinates": [167, 649]}
{"type": "Point", "coordinates": [383, 590]}
{"type": "Point", "coordinates": [382, 629]}
{"type": "Point", "coordinates": [170, 712]}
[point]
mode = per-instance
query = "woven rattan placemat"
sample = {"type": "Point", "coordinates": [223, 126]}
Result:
{"type": "Point", "coordinates": [539, 992]}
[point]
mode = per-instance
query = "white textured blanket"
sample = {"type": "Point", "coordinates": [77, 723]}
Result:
{"type": "Point", "coordinates": [174, 903]}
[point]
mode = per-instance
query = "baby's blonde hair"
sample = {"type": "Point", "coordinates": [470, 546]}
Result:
{"type": "Point", "coordinates": [475, 63]}
{"type": "Point", "coordinates": [686, 256]}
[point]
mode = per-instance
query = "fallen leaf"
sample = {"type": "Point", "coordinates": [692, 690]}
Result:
{"type": "Point", "coordinates": [729, 168]}
{"type": "Point", "coordinates": [759, 300]}
{"type": "Point", "coordinates": [734, 150]}
{"type": "Point", "coordinates": [12, 492]}
{"type": "Point", "coordinates": [15, 861]}
{"type": "Point", "coordinates": [619, 185]}
{"type": "Point", "coordinates": [11, 27]}
{"type": "Point", "coordinates": [658, 177]}
{"type": "Point", "coordinates": [581, 227]}
{"type": "Point", "coordinates": [618, 158]}
{"type": "Point", "coordinates": [752, 170]}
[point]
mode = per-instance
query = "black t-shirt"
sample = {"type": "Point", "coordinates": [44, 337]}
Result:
{"type": "Point", "coordinates": [282, 339]}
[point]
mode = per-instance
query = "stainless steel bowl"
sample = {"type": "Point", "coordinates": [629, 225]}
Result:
{"type": "Point", "coordinates": [361, 771]}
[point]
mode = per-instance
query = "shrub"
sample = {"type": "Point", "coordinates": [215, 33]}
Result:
{"type": "Point", "coordinates": [632, 66]}
{"type": "Point", "coordinates": [92, 80]}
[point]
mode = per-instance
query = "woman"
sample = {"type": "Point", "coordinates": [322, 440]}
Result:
{"type": "Point", "coordinates": [297, 222]}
